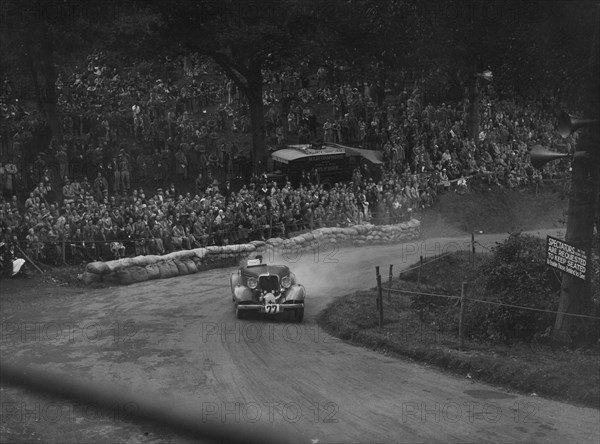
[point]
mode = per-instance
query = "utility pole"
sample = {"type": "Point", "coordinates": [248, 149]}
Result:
{"type": "Point", "coordinates": [583, 210]}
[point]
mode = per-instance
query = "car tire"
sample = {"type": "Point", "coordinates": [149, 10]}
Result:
{"type": "Point", "coordinates": [239, 313]}
{"type": "Point", "coordinates": [299, 314]}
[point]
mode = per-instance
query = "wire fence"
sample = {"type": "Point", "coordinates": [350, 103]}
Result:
{"type": "Point", "coordinates": [483, 301]}
{"type": "Point", "coordinates": [416, 267]}
{"type": "Point", "coordinates": [461, 300]}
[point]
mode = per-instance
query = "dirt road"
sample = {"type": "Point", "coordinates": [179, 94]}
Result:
{"type": "Point", "coordinates": [178, 338]}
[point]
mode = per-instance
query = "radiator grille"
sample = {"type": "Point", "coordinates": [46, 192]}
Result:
{"type": "Point", "coordinates": [269, 283]}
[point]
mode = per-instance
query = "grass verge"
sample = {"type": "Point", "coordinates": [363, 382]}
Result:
{"type": "Point", "coordinates": [557, 373]}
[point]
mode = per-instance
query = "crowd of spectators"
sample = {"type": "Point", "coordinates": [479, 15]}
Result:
{"type": "Point", "coordinates": [94, 205]}
{"type": "Point", "coordinates": [111, 226]}
{"type": "Point", "coordinates": [427, 139]}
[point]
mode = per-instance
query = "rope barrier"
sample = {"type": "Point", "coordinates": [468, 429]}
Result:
{"type": "Point", "coordinates": [425, 263]}
{"type": "Point", "coordinates": [494, 303]}
{"type": "Point", "coordinates": [395, 290]}
{"type": "Point", "coordinates": [482, 246]}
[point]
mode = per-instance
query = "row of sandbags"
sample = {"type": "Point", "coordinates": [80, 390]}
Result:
{"type": "Point", "coordinates": [357, 235]}
{"type": "Point", "coordinates": [142, 268]}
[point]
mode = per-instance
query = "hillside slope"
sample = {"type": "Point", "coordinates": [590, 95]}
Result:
{"type": "Point", "coordinates": [494, 211]}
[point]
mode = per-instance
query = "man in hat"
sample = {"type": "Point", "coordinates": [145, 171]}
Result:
{"type": "Point", "coordinates": [123, 160]}
{"type": "Point", "coordinates": [141, 235]}
{"type": "Point", "coordinates": [10, 176]}
{"type": "Point", "coordinates": [68, 192]}
{"type": "Point", "coordinates": [181, 163]}
{"type": "Point", "coordinates": [63, 161]}
{"type": "Point", "coordinates": [114, 166]}
{"type": "Point", "coordinates": [39, 165]}
{"type": "Point", "coordinates": [443, 178]}
{"type": "Point", "coordinates": [165, 161]}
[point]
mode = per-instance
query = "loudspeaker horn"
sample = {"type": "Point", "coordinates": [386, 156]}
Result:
{"type": "Point", "coordinates": [540, 156]}
{"type": "Point", "coordinates": [568, 124]}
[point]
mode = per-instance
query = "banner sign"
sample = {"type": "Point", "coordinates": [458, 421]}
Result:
{"type": "Point", "coordinates": [566, 258]}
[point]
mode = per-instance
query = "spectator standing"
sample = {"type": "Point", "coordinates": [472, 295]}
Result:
{"type": "Point", "coordinates": [100, 186]}
{"type": "Point", "coordinates": [124, 169]}
{"type": "Point", "coordinates": [115, 167]}
{"type": "Point", "coordinates": [181, 163]}
{"type": "Point", "coordinates": [165, 162]}
{"type": "Point", "coordinates": [68, 192]}
{"type": "Point", "coordinates": [39, 166]}
{"type": "Point", "coordinates": [63, 161]}
{"type": "Point", "coordinates": [10, 177]}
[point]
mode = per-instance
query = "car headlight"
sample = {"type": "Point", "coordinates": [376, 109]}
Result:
{"type": "Point", "coordinates": [252, 283]}
{"type": "Point", "coordinates": [286, 282]}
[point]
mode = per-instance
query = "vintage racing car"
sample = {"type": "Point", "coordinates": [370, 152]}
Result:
{"type": "Point", "coordinates": [271, 289]}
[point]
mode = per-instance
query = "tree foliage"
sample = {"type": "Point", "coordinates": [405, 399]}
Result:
{"type": "Point", "coordinates": [523, 42]}
{"type": "Point", "coordinates": [40, 36]}
{"type": "Point", "coordinates": [244, 37]}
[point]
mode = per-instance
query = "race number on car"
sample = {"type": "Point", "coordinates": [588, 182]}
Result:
{"type": "Point", "coordinates": [272, 308]}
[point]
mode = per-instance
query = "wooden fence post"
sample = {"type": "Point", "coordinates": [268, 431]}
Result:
{"type": "Point", "coordinates": [380, 300]}
{"type": "Point", "coordinates": [390, 285]}
{"type": "Point", "coordinates": [419, 271]}
{"type": "Point", "coordinates": [461, 318]}
{"type": "Point", "coordinates": [270, 225]}
{"type": "Point", "coordinates": [30, 261]}
{"type": "Point", "coordinates": [378, 277]}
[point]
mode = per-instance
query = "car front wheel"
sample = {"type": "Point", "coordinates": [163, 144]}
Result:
{"type": "Point", "coordinates": [299, 314]}
{"type": "Point", "coordinates": [239, 313]}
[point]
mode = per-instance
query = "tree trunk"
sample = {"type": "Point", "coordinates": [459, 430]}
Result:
{"type": "Point", "coordinates": [250, 82]}
{"type": "Point", "coordinates": [575, 294]}
{"type": "Point", "coordinates": [50, 77]}
{"type": "Point", "coordinates": [474, 97]}
{"type": "Point", "coordinates": [257, 119]}
{"type": "Point", "coordinates": [36, 82]}
{"type": "Point", "coordinates": [474, 112]}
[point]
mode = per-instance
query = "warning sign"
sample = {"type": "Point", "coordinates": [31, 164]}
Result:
{"type": "Point", "coordinates": [567, 258]}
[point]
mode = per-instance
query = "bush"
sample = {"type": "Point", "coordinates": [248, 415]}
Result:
{"type": "Point", "coordinates": [437, 312]}
{"type": "Point", "coordinates": [516, 274]}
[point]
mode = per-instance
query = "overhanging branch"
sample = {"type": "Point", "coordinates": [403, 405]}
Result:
{"type": "Point", "coordinates": [235, 72]}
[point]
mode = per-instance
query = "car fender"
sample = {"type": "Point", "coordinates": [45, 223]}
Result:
{"type": "Point", "coordinates": [242, 293]}
{"type": "Point", "coordinates": [296, 292]}
{"type": "Point", "coordinates": [235, 278]}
